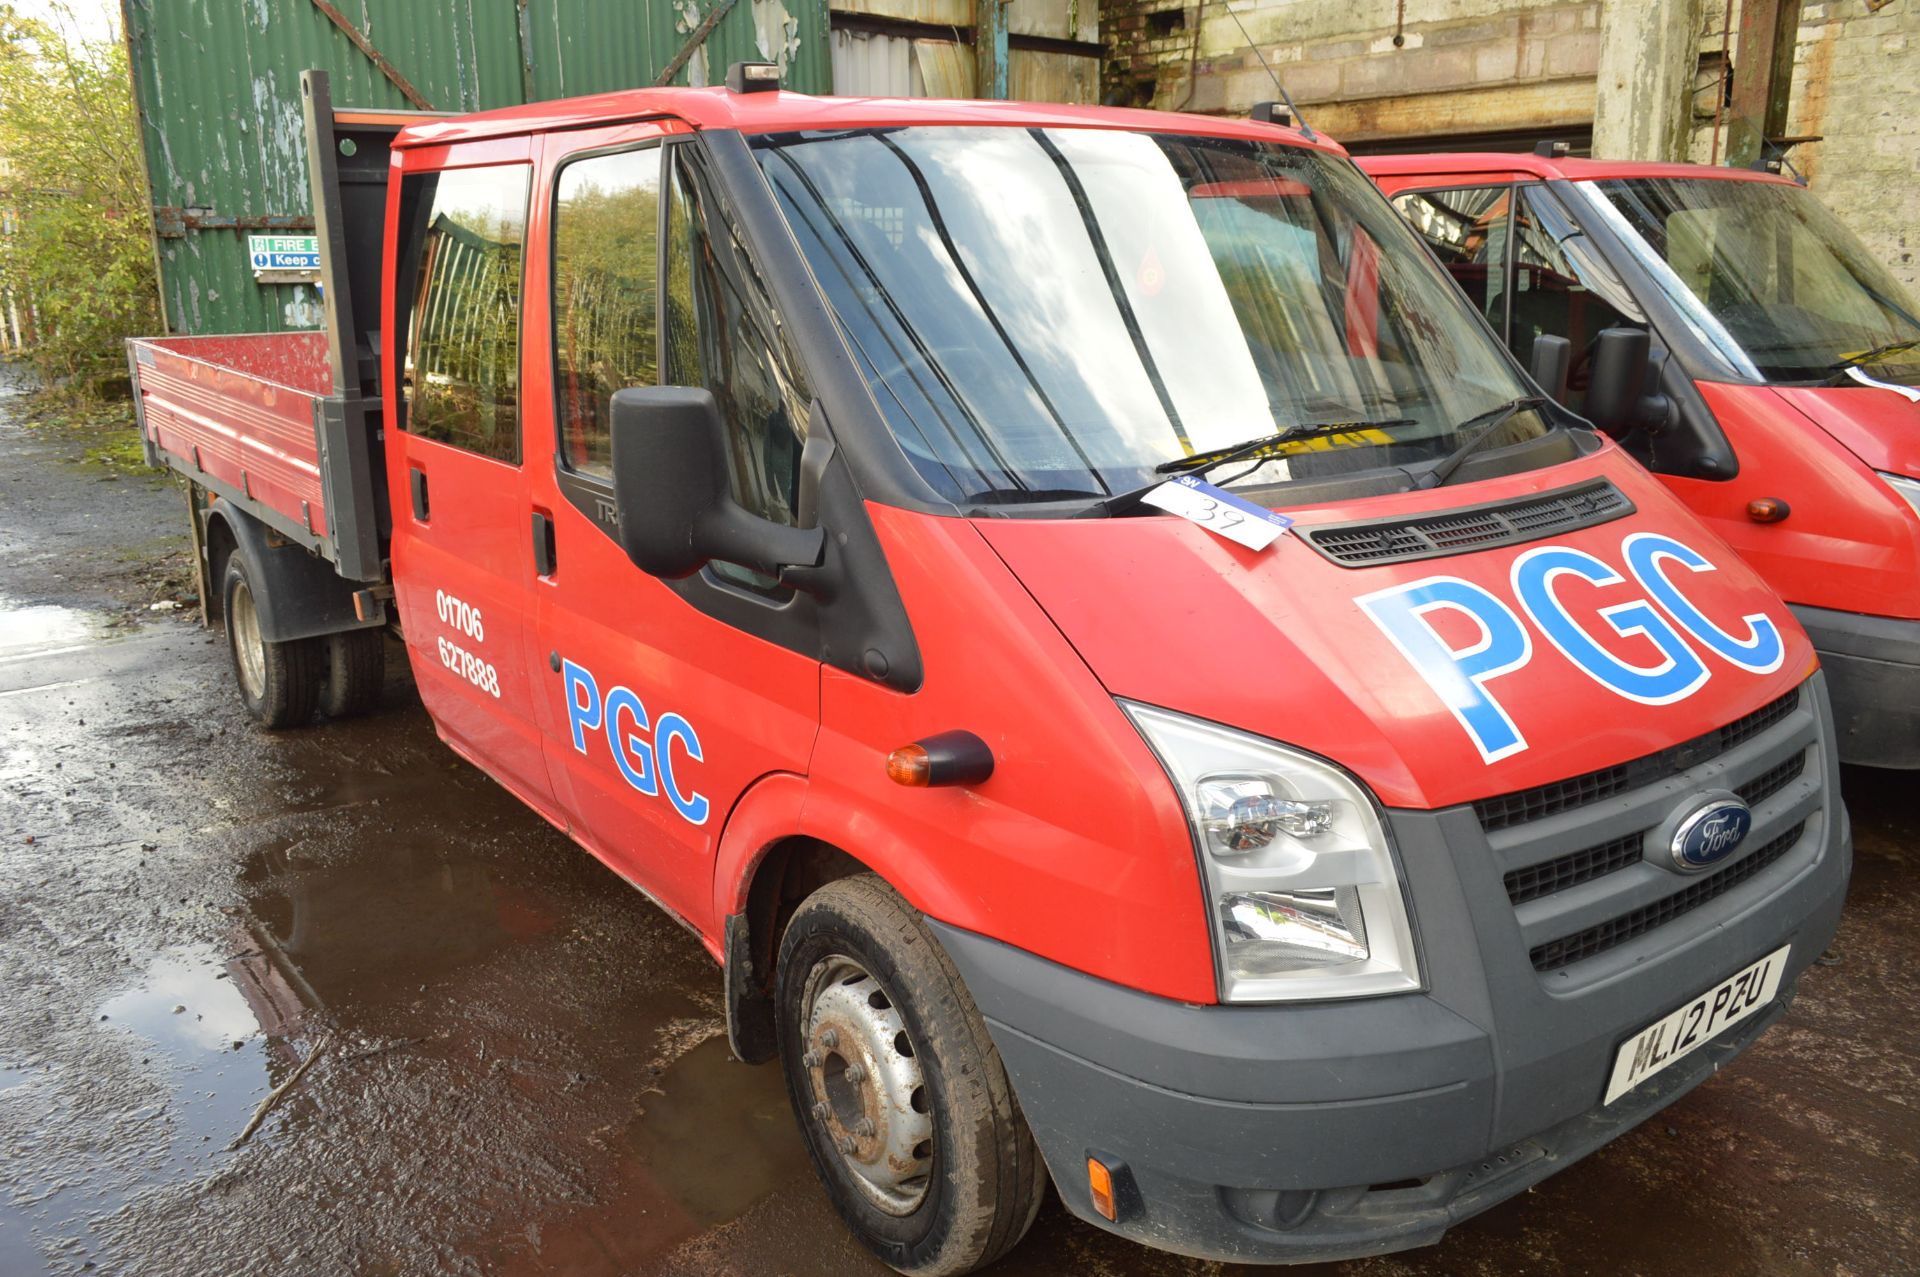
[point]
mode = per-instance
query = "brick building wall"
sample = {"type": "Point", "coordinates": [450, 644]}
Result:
{"type": "Point", "coordinates": [1856, 84]}
{"type": "Point", "coordinates": [1457, 66]}
{"type": "Point", "coordinates": [1494, 72]}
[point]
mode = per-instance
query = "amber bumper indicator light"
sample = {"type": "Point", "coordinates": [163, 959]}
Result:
{"type": "Point", "coordinates": [1100, 1186]}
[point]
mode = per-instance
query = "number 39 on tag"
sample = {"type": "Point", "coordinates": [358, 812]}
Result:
{"type": "Point", "coordinates": [1219, 511]}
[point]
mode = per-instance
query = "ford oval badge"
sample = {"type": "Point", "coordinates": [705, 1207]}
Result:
{"type": "Point", "coordinates": [1711, 834]}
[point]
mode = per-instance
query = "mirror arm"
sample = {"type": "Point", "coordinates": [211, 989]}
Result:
{"type": "Point", "coordinates": [730, 532]}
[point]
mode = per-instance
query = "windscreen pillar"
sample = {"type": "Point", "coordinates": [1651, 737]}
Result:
{"type": "Point", "coordinates": [1643, 100]}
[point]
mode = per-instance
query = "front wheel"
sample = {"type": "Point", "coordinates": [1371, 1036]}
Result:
{"type": "Point", "coordinates": [906, 1108]}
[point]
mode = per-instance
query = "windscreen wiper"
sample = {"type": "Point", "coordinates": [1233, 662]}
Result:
{"type": "Point", "coordinates": [1305, 430]}
{"type": "Point", "coordinates": [1494, 418]}
{"type": "Point", "coordinates": [1121, 502]}
{"type": "Point", "coordinates": [1875, 355]}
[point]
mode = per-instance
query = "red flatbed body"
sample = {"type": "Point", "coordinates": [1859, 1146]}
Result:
{"type": "Point", "coordinates": [240, 411]}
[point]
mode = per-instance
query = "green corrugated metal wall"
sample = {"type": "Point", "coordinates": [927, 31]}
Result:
{"type": "Point", "coordinates": [218, 83]}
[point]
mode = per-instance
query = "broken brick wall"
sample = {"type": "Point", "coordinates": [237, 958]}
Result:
{"type": "Point", "coordinates": [1383, 75]}
{"type": "Point", "coordinates": [1856, 86]}
{"type": "Point", "coordinates": [1361, 69]}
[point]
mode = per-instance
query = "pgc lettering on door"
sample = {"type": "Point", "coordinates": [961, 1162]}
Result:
{"type": "Point", "coordinates": [643, 750]}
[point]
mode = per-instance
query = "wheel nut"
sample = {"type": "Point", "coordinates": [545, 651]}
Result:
{"type": "Point", "coordinates": [830, 1039]}
{"type": "Point", "coordinates": [811, 1060]}
{"type": "Point", "coordinates": [822, 1110]}
{"type": "Point", "coordinates": [845, 1144]}
{"type": "Point", "coordinates": [863, 1128]}
{"type": "Point", "coordinates": [856, 1073]}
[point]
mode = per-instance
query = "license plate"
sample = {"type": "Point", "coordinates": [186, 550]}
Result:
{"type": "Point", "coordinates": [1696, 1024]}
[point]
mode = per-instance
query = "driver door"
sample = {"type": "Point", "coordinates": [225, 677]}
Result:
{"type": "Point", "coordinates": [658, 707]}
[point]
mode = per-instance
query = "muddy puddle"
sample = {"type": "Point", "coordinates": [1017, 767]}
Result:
{"type": "Point", "coordinates": [31, 628]}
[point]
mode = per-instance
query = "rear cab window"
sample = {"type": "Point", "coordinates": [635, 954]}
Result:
{"type": "Point", "coordinates": [460, 364]}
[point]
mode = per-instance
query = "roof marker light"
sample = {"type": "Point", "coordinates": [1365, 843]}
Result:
{"type": "Point", "coordinates": [753, 77]}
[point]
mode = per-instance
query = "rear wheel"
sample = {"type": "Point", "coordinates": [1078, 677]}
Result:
{"type": "Point", "coordinates": [356, 673]}
{"type": "Point", "coordinates": [906, 1108]}
{"type": "Point", "coordinates": [279, 682]}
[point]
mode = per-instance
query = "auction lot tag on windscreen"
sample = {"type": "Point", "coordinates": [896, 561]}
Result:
{"type": "Point", "coordinates": [1219, 511]}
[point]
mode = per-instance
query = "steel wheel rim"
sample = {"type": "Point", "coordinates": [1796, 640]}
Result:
{"type": "Point", "coordinates": [249, 650]}
{"type": "Point", "coordinates": [869, 1095]}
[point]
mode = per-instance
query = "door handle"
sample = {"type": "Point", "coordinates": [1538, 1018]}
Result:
{"type": "Point", "coordinates": [417, 481]}
{"type": "Point", "coordinates": [543, 547]}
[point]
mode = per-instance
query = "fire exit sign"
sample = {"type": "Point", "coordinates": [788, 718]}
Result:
{"type": "Point", "coordinates": [285, 259]}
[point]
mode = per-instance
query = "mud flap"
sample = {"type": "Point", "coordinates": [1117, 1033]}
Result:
{"type": "Point", "coordinates": [750, 1019]}
{"type": "Point", "coordinates": [297, 592]}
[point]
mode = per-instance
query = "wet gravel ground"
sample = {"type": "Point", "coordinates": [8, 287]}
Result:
{"type": "Point", "coordinates": [520, 1064]}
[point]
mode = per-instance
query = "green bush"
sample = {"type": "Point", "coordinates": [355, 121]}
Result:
{"type": "Point", "coordinates": [78, 247]}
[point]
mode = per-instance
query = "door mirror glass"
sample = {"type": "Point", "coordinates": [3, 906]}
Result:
{"type": "Point", "coordinates": [674, 495]}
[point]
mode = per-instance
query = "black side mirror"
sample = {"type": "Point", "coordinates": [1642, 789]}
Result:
{"type": "Point", "coordinates": [1618, 379]}
{"type": "Point", "coordinates": [1552, 361]}
{"type": "Point", "coordinates": [674, 497]}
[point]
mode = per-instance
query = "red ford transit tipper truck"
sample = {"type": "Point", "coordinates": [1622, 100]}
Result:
{"type": "Point", "coordinates": [1778, 397]}
{"type": "Point", "coordinates": [856, 523]}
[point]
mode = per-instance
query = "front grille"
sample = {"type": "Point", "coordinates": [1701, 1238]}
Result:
{"type": "Point", "coordinates": [1564, 795]}
{"type": "Point", "coordinates": [1562, 872]}
{"type": "Point", "coordinates": [1429, 536]}
{"type": "Point", "coordinates": [1614, 932]}
{"type": "Point", "coordinates": [1772, 781]}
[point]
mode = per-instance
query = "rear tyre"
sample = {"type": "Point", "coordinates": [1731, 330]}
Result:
{"type": "Point", "coordinates": [905, 1106]}
{"type": "Point", "coordinates": [356, 673]}
{"type": "Point", "coordinates": [279, 682]}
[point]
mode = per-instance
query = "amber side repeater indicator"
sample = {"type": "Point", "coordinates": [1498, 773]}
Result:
{"type": "Point", "coordinates": [950, 758]}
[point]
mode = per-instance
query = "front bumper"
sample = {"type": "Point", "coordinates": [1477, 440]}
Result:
{"type": "Point", "coordinates": [1337, 1130]}
{"type": "Point", "coordinates": [1872, 665]}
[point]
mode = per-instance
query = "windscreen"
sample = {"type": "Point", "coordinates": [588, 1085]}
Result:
{"type": "Point", "coordinates": [1776, 275]}
{"type": "Point", "coordinates": [1047, 314]}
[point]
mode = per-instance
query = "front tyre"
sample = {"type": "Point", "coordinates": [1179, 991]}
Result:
{"type": "Point", "coordinates": [904, 1103]}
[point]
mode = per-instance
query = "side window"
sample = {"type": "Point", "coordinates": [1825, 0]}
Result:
{"type": "Point", "coordinates": [1467, 230]}
{"type": "Point", "coordinates": [460, 367]}
{"type": "Point", "coordinates": [1562, 288]}
{"type": "Point", "coordinates": [722, 333]}
{"type": "Point", "coordinates": [606, 227]}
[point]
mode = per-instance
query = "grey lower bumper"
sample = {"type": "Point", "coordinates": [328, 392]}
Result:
{"type": "Point", "coordinates": [1872, 665]}
{"type": "Point", "coordinates": [1327, 1131]}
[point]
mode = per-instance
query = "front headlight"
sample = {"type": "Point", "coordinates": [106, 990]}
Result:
{"type": "Point", "coordinates": [1906, 489]}
{"type": "Point", "coordinates": [1302, 893]}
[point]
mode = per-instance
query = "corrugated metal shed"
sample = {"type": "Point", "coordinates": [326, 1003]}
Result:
{"type": "Point", "coordinates": [218, 84]}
